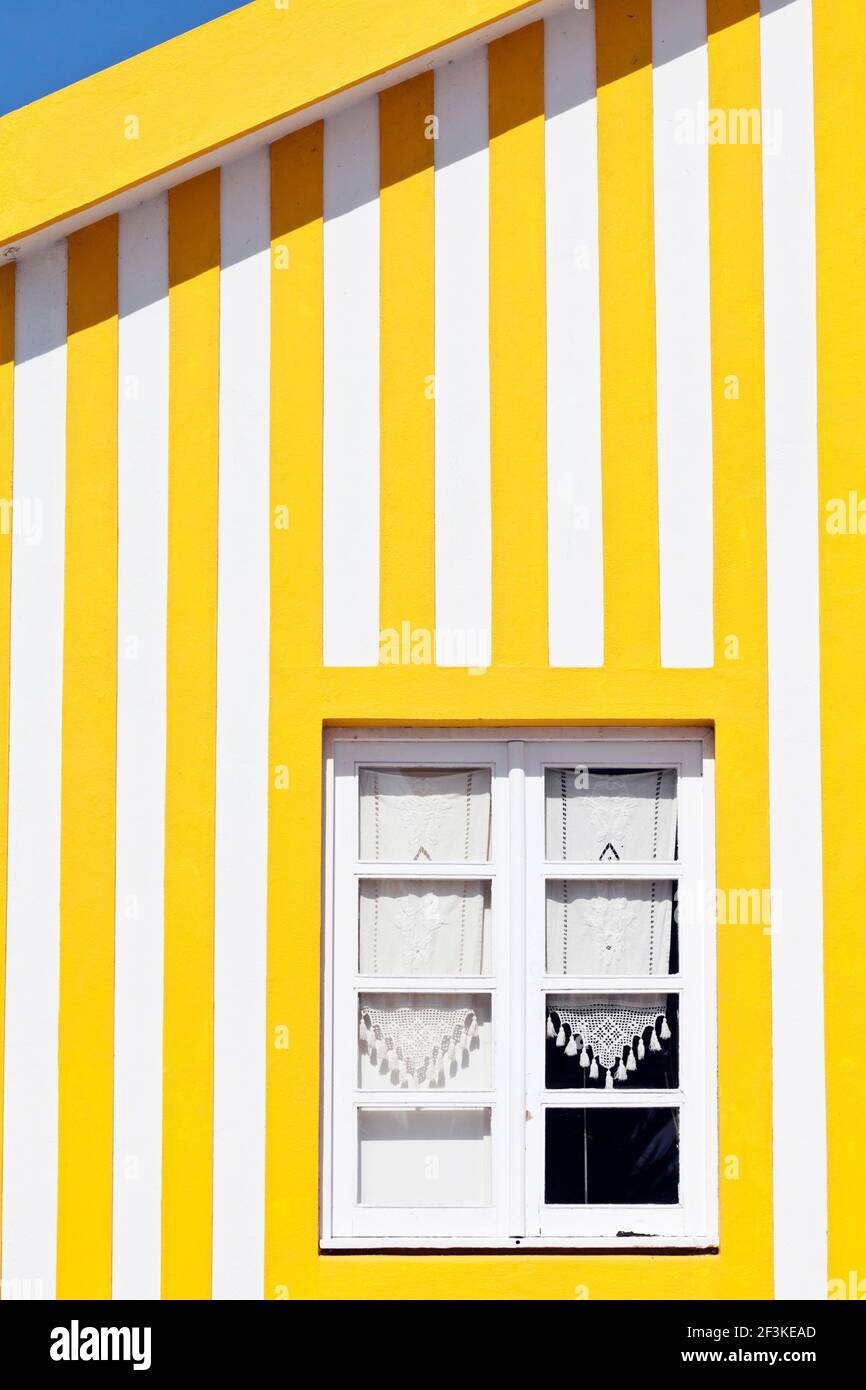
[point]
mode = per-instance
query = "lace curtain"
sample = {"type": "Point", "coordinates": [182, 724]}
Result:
{"type": "Point", "coordinates": [610, 927]}
{"type": "Point", "coordinates": [415, 926]}
{"type": "Point", "coordinates": [423, 927]}
{"type": "Point", "coordinates": [418, 927]}
{"type": "Point", "coordinates": [612, 1027]}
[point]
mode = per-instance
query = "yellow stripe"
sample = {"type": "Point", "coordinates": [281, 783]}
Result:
{"type": "Point", "coordinates": [518, 413]}
{"type": "Point", "coordinates": [194, 258]}
{"type": "Point", "coordinates": [86, 1024]}
{"type": "Point", "coordinates": [294, 742]}
{"type": "Point", "coordinates": [737, 296]}
{"type": "Point", "coordinates": [7, 371]}
{"type": "Point", "coordinates": [407, 358]}
{"type": "Point", "coordinates": [840, 162]}
{"type": "Point", "coordinates": [628, 349]}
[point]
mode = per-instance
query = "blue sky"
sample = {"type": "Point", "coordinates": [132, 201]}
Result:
{"type": "Point", "coordinates": [47, 44]}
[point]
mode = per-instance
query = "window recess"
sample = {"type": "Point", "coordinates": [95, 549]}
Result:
{"type": "Point", "coordinates": [520, 1026]}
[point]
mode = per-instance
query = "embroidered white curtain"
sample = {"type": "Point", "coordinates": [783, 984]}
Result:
{"type": "Point", "coordinates": [421, 927]}
{"type": "Point", "coordinates": [415, 927]}
{"type": "Point", "coordinates": [609, 927]}
{"type": "Point", "coordinates": [412, 816]}
{"type": "Point", "coordinates": [594, 816]}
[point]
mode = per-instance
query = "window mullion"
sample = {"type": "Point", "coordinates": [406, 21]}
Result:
{"type": "Point", "coordinates": [517, 989]}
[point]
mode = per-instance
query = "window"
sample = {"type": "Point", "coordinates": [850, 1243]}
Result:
{"type": "Point", "coordinates": [519, 1020]}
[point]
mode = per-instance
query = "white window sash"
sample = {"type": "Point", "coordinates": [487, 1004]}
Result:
{"type": "Point", "coordinates": [518, 986]}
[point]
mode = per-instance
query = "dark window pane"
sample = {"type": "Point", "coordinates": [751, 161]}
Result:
{"type": "Point", "coordinates": [618, 1157]}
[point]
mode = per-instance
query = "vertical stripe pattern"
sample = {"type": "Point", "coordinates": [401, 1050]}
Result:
{"type": "Point", "coordinates": [30, 1083]}
{"type": "Point", "coordinates": [407, 385]}
{"type": "Point", "coordinates": [575, 557]}
{"type": "Point", "coordinates": [794, 644]}
{"type": "Point", "coordinates": [87, 870]}
{"type": "Point", "coordinates": [462, 222]}
{"type": "Point", "coordinates": [469, 375]}
{"type": "Point", "coordinates": [142, 484]}
{"type": "Point", "coordinates": [517, 349]}
{"type": "Point", "coordinates": [240, 930]}
{"type": "Point", "coordinates": [191, 632]}
{"type": "Point", "coordinates": [682, 293]}
{"type": "Point", "coordinates": [628, 346]}
{"type": "Point", "coordinates": [295, 639]}
{"type": "Point", "coordinates": [351, 368]}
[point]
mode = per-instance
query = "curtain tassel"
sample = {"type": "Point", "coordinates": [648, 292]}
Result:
{"type": "Point", "coordinates": [608, 1080]}
{"type": "Point", "coordinates": [560, 1037]}
{"type": "Point", "coordinates": [655, 1045]}
{"type": "Point", "coordinates": [664, 1031]}
{"type": "Point", "coordinates": [584, 1057]}
{"type": "Point", "coordinates": [571, 1047]}
{"type": "Point", "coordinates": [641, 1050]}
{"type": "Point", "coordinates": [593, 1071]}
{"type": "Point", "coordinates": [621, 1071]}
{"type": "Point", "coordinates": [551, 1031]}
{"type": "Point", "coordinates": [631, 1064]}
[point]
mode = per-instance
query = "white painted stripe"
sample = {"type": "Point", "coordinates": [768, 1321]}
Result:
{"type": "Point", "coordinates": [682, 261]}
{"type": "Point", "coordinates": [462, 271]}
{"type": "Point", "coordinates": [240, 929]}
{"type": "Point", "coordinates": [799, 1149]}
{"type": "Point", "coordinates": [36, 698]}
{"type": "Point", "coordinates": [574, 515]}
{"type": "Point", "coordinates": [142, 499]}
{"type": "Point", "coordinates": [351, 414]}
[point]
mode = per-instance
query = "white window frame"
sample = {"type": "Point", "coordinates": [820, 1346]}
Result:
{"type": "Point", "coordinates": [517, 1097]}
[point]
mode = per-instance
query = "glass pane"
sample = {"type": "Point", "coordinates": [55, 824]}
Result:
{"type": "Point", "coordinates": [610, 927]}
{"type": "Point", "coordinates": [612, 1041]}
{"type": "Point", "coordinates": [605, 815]}
{"type": "Point", "coordinates": [414, 815]}
{"type": "Point", "coordinates": [421, 927]}
{"type": "Point", "coordinates": [433, 1041]}
{"type": "Point", "coordinates": [424, 1158]}
{"type": "Point", "coordinates": [611, 1156]}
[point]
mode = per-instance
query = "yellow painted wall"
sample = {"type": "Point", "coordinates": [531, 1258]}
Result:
{"type": "Point", "coordinates": [519, 688]}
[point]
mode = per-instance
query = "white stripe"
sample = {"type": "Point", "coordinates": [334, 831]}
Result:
{"type": "Point", "coordinates": [799, 1148]}
{"type": "Point", "coordinates": [351, 420]}
{"type": "Point", "coordinates": [574, 515]}
{"type": "Point", "coordinates": [142, 500]}
{"type": "Point", "coordinates": [682, 261]}
{"type": "Point", "coordinates": [462, 269]}
{"type": "Point", "coordinates": [240, 929]}
{"type": "Point", "coordinates": [35, 713]}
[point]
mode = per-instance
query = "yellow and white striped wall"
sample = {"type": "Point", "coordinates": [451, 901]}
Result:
{"type": "Point", "coordinates": [508, 379]}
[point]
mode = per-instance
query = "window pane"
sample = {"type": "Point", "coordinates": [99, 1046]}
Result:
{"type": "Point", "coordinates": [619, 1157]}
{"type": "Point", "coordinates": [432, 1041]}
{"type": "Point", "coordinates": [608, 927]}
{"type": "Point", "coordinates": [422, 927]}
{"type": "Point", "coordinates": [424, 1158]}
{"type": "Point", "coordinates": [608, 815]}
{"type": "Point", "coordinates": [612, 1041]}
{"type": "Point", "coordinates": [413, 815]}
